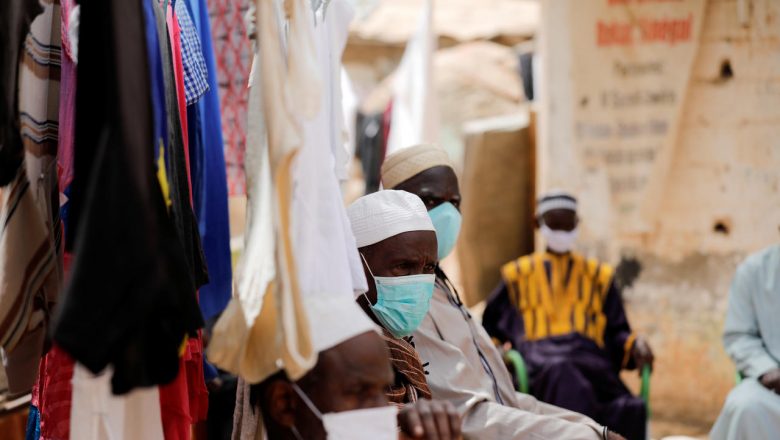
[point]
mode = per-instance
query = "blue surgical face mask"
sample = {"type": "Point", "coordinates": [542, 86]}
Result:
{"type": "Point", "coordinates": [446, 220]}
{"type": "Point", "coordinates": [401, 302]}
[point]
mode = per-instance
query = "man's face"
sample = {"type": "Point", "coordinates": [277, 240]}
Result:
{"type": "Point", "coordinates": [352, 375]}
{"type": "Point", "coordinates": [434, 186]}
{"type": "Point", "coordinates": [408, 253]}
{"type": "Point", "coordinates": [561, 219]}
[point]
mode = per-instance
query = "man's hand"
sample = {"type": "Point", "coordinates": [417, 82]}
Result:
{"type": "Point", "coordinates": [771, 380]}
{"type": "Point", "coordinates": [614, 436]}
{"type": "Point", "coordinates": [642, 354]}
{"type": "Point", "coordinates": [429, 419]}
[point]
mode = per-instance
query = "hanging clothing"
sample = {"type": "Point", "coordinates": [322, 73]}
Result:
{"type": "Point", "coordinates": [67, 113]}
{"type": "Point", "coordinates": [322, 235]}
{"type": "Point", "coordinates": [28, 271]}
{"type": "Point", "coordinates": [183, 401]}
{"type": "Point", "coordinates": [129, 309]}
{"type": "Point", "coordinates": [565, 315]}
{"type": "Point", "coordinates": [52, 394]}
{"type": "Point", "coordinates": [15, 19]}
{"type": "Point", "coordinates": [194, 64]}
{"type": "Point", "coordinates": [267, 283]}
{"type": "Point", "coordinates": [209, 182]}
{"type": "Point", "coordinates": [176, 154]}
{"type": "Point", "coordinates": [52, 391]}
{"type": "Point", "coordinates": [99, 415]}
{"type": "Point", "coordinates": [752, 338]}
{"type": "Point", "coordinates": [210, 203]}
{"type": "Point", "coordinates": [233, 56]}
{"type": "Point", "coordinates": [30, 229]}
{"type": "Point", "coordinates": [415, 112]}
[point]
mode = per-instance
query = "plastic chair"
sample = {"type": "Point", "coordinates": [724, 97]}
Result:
{"type": "Point", "coordinates": [515, 360]}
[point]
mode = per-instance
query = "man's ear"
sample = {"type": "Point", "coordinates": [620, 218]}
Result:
{"type": "Point", "coordinates": [536, 222]}
{"type": "Point", "coordinates": [280, 398]}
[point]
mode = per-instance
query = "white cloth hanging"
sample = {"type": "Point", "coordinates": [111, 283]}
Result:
{"type": "Point", "coordinates": [415, 114]}
{"type": "Point", "coordinates": [96, 414]}
{"type": "Point", "coordinates": [323, 239]}
{"type": "Point", "coordinates": [265, 326]}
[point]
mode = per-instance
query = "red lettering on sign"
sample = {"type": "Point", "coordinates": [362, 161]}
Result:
{"type": "Point", "coordinates": [613, 34]}
{"type": "Point", "coordinates": [651, 30]}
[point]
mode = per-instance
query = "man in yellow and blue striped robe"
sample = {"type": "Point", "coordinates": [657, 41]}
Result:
{"type": "Point", "coordinates": [564, 313]}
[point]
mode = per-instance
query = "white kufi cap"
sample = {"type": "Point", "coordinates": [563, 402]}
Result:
{"type": "Point", "coordinates": [383, 214]}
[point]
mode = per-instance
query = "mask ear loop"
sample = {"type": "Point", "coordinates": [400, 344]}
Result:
{"type": "Point", "coordinates": [367, 266]}
{"type": "Point", "coordinates": [307, 401]}
{"type": "Point", "coordinates": [372, 276]}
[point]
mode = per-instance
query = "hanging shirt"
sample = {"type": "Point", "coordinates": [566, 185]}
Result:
{"type": "Point", "coordinates": [323, 239]}
{"type": "Point", "coordinates": [195, 71]}
{"type": "Point", "coordinates": [209, 181]}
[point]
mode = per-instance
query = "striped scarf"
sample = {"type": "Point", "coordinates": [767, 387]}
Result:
{"type": "Point", "coordinates": [30, 272]}
{"type": "Point", "coordinates": [27, 269]}
{"type": "Point", "coordinates": [410, 382]}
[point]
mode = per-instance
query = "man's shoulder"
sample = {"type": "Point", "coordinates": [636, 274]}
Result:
{"type": "Point", "coordinates": [758, 263]}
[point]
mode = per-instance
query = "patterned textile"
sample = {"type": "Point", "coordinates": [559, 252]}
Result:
{"type": "Point", "coordinates": [410, 383]}
{"type": "Point", "coordinates": [52, 394]}
{"type": "Point", "coordinates": [565, 315]}
{"type": "Point", "coordinates": [557, 295]}
{"type": "Point", "coordinates": [28, 267]}
{"type": "Point", "coordinates": [29, 222]}
{"type": "Point", "coordinates": [234, 61]}
{"type": "Point", "coordinates": [195, 71]}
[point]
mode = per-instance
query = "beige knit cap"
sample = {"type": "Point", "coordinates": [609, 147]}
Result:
{"type": "Point", "coordinates": [405, 164]}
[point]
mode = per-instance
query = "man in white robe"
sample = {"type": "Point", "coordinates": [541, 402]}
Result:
{"type": "Point", "coordinates": [752, 339]}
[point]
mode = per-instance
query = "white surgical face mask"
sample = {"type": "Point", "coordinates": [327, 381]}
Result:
{"type": "Point", "coordinates": [557, 240]}
{"type": "Point", "coordinates": [372, 423]}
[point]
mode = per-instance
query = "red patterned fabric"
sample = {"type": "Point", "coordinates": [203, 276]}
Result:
{"type": "Point", "coordinates": [52, 394]}
{"type": "Point", "coordinates": [233, 53]}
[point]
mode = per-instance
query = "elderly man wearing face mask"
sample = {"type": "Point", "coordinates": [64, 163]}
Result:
{"type": "Point", "coordinates": [564, 313]}
{"type": "Point", "coordinates": [465, 368]}
{"type": "Point", "coordinates": [397, 242]}
{"type": "Point", "coordinates": [343, 396]}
